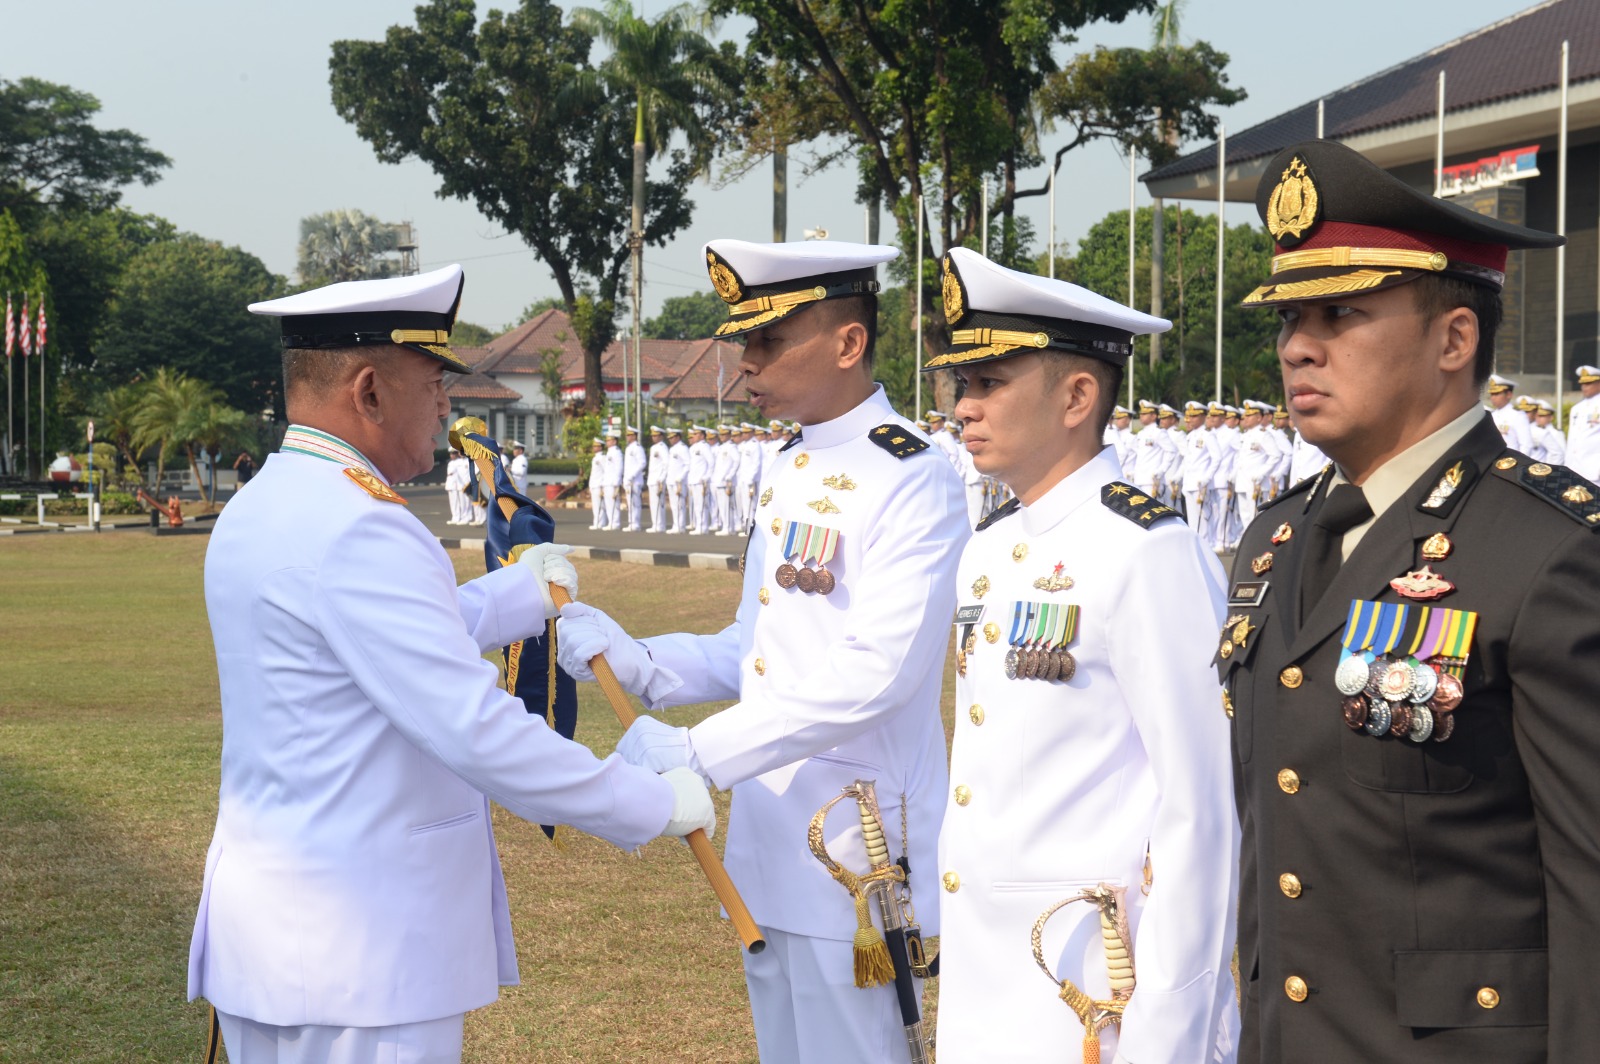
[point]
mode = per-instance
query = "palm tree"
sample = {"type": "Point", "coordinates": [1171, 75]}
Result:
{"type": "Point", "coordinates": [116, 415]}
{"type": "Point", "coordinates": [165, 414]}
{"type": "Point", "coordinates": [345, 245]}
{"type": "Point", "coordinates": [672, 71]}
{"type": "Point", "coordinates": [214, 428]}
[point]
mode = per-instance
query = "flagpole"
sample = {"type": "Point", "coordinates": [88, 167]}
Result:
{"type": "Point", "coordinates": [1133, 189]}
{"type": "Point", "coordinates": [1052, 222]}
{"type": "Point", "coordinates": [1561, 252]}
{"type": "Point", "coordinates": [1222, 229]}
{"type": "Point", "coordinates": [916, 342]}
{"type": "Point", "coordinates": [1438, 144]}
{"type": "Point", "coordinates": [39, 350]}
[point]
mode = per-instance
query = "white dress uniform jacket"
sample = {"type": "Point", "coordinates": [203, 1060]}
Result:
{"type": "Point", "coordinates": [832, 688]}
{"type": "Point", "coordinates": [519, 473]}
{"type": "Point", "coordinates": [1583, 437]}
{"type": "Point", "coordinates": [1513, 425]}
{"type": "Point", "coordinates": [1153, 451]}
{"type": "Point", "coordinates": [352, 880]}
{"type": "Point", "coordinates": [1061, 786]}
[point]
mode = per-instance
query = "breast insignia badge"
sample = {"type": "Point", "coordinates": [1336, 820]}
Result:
{"type": "Point", "coordinates": [980, 587]}
{"type": "Point", "coordinates": [1437, 547]}
{"type": "Point", "coordinates": [1423, 584]}
{"type": "Point", "coordinates": [839, 482]}
{"type": "Point", "coordinates": [1283, 534]}
{"type": "Point", "coordinates": [1056, 581]}
{"type": "Point", "coordinates": [1261, 564]}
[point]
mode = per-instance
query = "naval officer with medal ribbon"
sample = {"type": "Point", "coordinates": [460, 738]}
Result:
{"type": "Point", "coordinates": [835, 654]}
{"type": "Point", "coordinates": [1088, 751]}
{"type": "Point", "coordinates": [1412, 658]}
{"type": "Point", "coordinates": [353, 901]}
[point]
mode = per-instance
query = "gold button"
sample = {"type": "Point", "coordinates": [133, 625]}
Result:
{"type": "Point", "coordinates": [1019, 552]}
{"type": "Point", "coordinates": [1295, 987]}
{"type": "Point", "coordinates": [777, 526]}
{"type": "Point", "coordinates": [801, 459]}
{"type": "Point", "coordinates": [763, 596]}
{"type": "Point", "coordinates": [952, 882]}
{"type": "Point", "coordinates": [761, 667]}
{"type": "Point", "coordinates": [1289, 883]}
{"type": "Point", "coordinates": [1292, 677]}
{"type": "Point", "coordinates": [975, 714]}
{"type": "Point", "coordinates": [1288, 780]}
{"type": "Point", "coordinates": [963, 794]}
{"type": "Point", "coordinates": [1506, 463]}
{"type": "Point", "coordinates": [991, 632]}
{"type": "Point", "coordinates": [1488, 997]}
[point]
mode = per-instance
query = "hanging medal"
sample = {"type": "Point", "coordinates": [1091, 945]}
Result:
{"type": "Point", "coordinates": [808, 543]}
{"type": "Point", "coordinates": [1040, 632]}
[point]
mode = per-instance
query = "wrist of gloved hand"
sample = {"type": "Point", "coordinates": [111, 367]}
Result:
{"type": "Point", "coordinates": [691, 804]}
{"type": "Point", "coordinates": [583, 631]}
{"type": "Point", "coordinates": [657, 746]}
{"type": "Point", "coordinates": [549, 565]}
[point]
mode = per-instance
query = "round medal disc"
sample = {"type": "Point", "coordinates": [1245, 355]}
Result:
{"type": "Point", "coordinates": [1375, 672]}
{"type": "Point", "coordinates": [1379, 717]}
{"type": "Point", "coordinates": [1396, 682]}
{"type": "Point", "coordinates": [1052, 666]}
{"type": "Point", "coordinates": [806, 580]}
{"type": "Point", "coordinates": [1351, 675]}
{"type": "Point", "coordinates": [785, 576]}
{"type": "Point", "coordinates": [1400, 719]}
{"type": "Point", "coordinates": [1354, 708]}
{"type": "Point", "coordinates": [1424, 682]}
{"type": "Point", "coordinates": [825, 583]}
{"type": "Point", "coordinates": [1421, 724]}
{"type": "Point", "coordinates": [1069, 666]}
{"type": "Point", "coordinates": [1035, 661]}
{"type": "Point", "coordinates": [1011, 663]}
{"type": "Point", "coordinates": [1444, 726]}
{"type": "Point", "coordinates": [1448, 696]}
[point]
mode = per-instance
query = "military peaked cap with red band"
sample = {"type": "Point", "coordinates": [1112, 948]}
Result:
{"type": "Point", "coordinates": [1345, 226]}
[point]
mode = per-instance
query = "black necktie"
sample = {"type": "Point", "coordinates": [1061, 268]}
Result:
{"type": "Point", "coordinates": [1343, 509]}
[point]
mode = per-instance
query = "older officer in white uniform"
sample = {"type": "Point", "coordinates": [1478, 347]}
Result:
{"type": "Point", "coordinates": [1512, 423]}
{"type": "Point", "coordinates": [1090, 747]}
{"type": "Point", "coordinates": [353, 907]}
{"type": "Point", "coordinates": [835, 656]}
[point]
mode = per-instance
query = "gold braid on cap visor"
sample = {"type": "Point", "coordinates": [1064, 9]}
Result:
{"type": "Point", "coordinates": [994, 342]}
{"type": "Point", "coordinates": [1315, 258]}
{"type": "Point", "coordinates": [768, 308]}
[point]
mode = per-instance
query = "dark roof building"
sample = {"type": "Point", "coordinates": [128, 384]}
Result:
{"type": "Point", "coordinates": [1501, 129]}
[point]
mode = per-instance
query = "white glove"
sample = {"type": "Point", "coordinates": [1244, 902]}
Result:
{"type": "Point", "coordinates": [659, 747]}
{"type": "Point", "coordinates": [550, 567]}
{"type": "Point", "coordinates": [583, 631]}
{"type": "Point", "coordinates": [691, 805]}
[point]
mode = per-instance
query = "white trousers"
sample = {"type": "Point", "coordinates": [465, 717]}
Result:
{"type": "Point", "coordinates": [700, 506]}
{"type": "Point", "coordinates": [458, 506]}
{"type": "Point", "coordinates": [658, 505]}
{"type": "Point", "coordinates": [428, 1042]}
{"type": "Point", "coordinates": [744, 501]}
{"type": "Point", "coordinates": [723, 494]}
{"type": "Point", "coordinates": [675, 503]}
{"type": "Point", "coordinates": [635, 491]}
{"type": "Point", "coordinates": [611, 496]}
{"type": "Point", "coordinates": [808, 1009]}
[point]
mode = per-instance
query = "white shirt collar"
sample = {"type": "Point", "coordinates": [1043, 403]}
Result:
{"type": "Point", "coordinates": [871, 412]}
{"type": "Point", "coordinates": [1072, 491]}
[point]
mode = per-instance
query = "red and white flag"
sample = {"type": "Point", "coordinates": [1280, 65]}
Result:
{"type": "Point", "coordinates": [38, 343]}
{"type": "Point", "coordinates": [11, 333]}
{"type": "Point", "coordinates": [25, 337]}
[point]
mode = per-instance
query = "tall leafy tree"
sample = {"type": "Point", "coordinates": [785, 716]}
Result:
{"type": "Point", "coordinates": [691, 317]}
{"type": "Point", "coordinates": [483, 104]}
{"type": "Point", "coordinates": [345, 245]}
{"type": "Point", "coordinates": [51, 152]}
{"type": "Point", "coordinates": [181, 304]}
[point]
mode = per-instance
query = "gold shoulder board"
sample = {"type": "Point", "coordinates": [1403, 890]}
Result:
{"type": "Point", "coordinates": [372, 485]}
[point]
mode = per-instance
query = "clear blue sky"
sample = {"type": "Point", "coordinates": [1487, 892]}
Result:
{"type": "Point", "coordinates": [238, 96]}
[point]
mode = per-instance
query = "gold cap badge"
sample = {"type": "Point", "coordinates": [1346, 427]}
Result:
{"type": "Point", "coordinates": [1292, 210]}
{"type": "Point", "coordinates": [955, 303]}
{"type": "Point", "coordinates": [723, 279]}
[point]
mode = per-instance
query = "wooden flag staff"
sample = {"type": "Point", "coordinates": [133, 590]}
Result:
{"type": "Point", "coordinates": [699, 844]}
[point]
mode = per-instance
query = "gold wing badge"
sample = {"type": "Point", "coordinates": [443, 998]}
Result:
{"type": "Point", "coordinates": [1096, 1016]}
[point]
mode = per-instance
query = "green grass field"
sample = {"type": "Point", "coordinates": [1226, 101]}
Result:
{"type": "Point", "coordinates": [109, 739]}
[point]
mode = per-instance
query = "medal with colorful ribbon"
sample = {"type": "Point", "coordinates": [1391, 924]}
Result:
{"type": "Point", "coordinates": [808, 543]}
{"type": "Point", "coordinates": [1040, 632]}
{"type": "Point", "coordinates": [1401, 666]}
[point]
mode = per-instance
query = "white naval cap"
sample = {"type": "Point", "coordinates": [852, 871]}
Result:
{"type": "Point", "coordinates": [1544, 407]}
{"type": "Point", "coordinates": [936, 415]}
{"type": "Point", "coordinates": [1121, 411]}
{"type": "Point", "coordinates": [633, 429]}
{"type": "Point", "coordinates": [1498, 384]}
{"type": "Point", "coordinates": [1193, 407]}
{"type": "Point", "coordinates": [1258, 406]}
{"type": "Point", "coordinates": [1523, 402]}
{"type": "Point", "coordinates": [613, 434]}
{"type": "Point", "coordinates": [655, 430]}
{"type": "Point", "coordinates": [1166, 411]}
{"type": "Point", "coordinates": [763, 283]}
{"type": "Point", "coordinates": [1588, 374]}
{"type": "Point", "coordinates": [994, 312]}
{"type": "Point", "coordinates": [417, 312]}
{"type": "Point", "coordinates": [921, 424]}
{"type": "Point", "coordinates": [597, 439]}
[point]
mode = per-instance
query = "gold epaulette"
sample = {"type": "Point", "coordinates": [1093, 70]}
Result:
{"type": "Point", "coordinates": [372, 485]}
